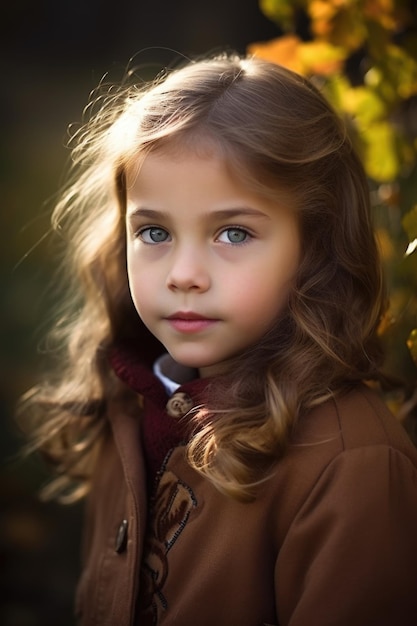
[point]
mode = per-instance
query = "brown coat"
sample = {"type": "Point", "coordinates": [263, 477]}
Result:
{"type": "Point", "coordinates": [330, 541]}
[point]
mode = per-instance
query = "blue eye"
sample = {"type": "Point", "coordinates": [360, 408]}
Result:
{"type": "Point", "coordinates": [153, 234]}
{"type": "Point", "coordinates": [233, 235]}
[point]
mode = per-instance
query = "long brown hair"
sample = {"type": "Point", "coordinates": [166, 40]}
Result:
{"type": "Point", "coordinates": [277, 131]}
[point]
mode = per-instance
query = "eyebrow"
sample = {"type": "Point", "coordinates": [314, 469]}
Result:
{"type": "Point", "coordinates": [153, 214]}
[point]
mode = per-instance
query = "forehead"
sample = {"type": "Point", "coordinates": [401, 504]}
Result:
{"type": "Point", "coordinates": [203, 146]}
{"type": "Point", "coordinates": [181, 182]}
{"type": "Point", "coordinates": [185, 175]}
{"type": "Point", "coordinates": [176, 150]}
{"type": "Point", "coordinates": [245, 170]}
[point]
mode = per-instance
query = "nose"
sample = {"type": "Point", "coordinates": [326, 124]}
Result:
{"type": "Point", "coordinates": [189, 271]}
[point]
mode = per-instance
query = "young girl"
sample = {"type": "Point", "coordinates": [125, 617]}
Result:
{"type": "Point", "coordinates": [213, 393]}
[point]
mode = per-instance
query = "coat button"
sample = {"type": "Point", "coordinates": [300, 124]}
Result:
{"type": "Point", "coordinates": [179, 404]}
{"type": "Point", "coordinates": [121, 538]}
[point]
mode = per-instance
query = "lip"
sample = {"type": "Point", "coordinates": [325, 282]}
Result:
{"type": "Point", "coordinates": [189, 322]}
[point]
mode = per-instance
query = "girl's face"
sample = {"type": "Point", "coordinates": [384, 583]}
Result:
{"type": "Point", "coordinates": [210, 263]}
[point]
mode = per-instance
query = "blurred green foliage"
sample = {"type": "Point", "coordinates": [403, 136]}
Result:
{"type": "Point", "coordinates": [363, 54]}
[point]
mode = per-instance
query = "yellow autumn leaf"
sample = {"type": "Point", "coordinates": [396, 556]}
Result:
{"type": "Point", "coordinates": [279, 11]}
{"type": "Point", "coordinates": [339, 23]}
{"type": "Point", "coordinates": [282, 50]}
{"type": "Point", "coordinates": [320, 57]}
{"type": "Point", "coordinates": [380, 156]}
{"type": "Point", "coordinates": [399, 70]}
{"type": "Point", "coordinates": [385, 244]}
{"type": "Point", "coordinates": [321, 13]}
{"type": "Point", "coordinates": [382, 12]}
{"type": "Point", "coordinates": [412, 344]}
{"type": "Point", "coordinates": [364, 105]}
{"type": "Point", "coordinates": [335, 88]}
{"type": "Point", "coordinates": [398, 302]}
{"type": "Point", "coordinates": [313, 57]}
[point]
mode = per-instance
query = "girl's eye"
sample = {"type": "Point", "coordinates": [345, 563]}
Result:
{"type": "Point", "coordinates": [233, 235]}
{"type": "Point", "coordinates": [153, 234]}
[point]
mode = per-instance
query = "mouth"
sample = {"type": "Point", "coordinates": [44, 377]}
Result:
{"type": "Point", "coordinates": [189, 322]}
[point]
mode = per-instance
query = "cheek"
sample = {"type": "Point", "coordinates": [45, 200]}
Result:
{"type": "Point", "coordinates": [131, 276]}
{"type": "Point", "coordinates": [264, 297]}
{"type": "Point", "coordinates": [139, 285]}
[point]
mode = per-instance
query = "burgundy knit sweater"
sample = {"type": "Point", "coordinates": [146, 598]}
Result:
{"type": "Point", "coordinates": [163, 428]}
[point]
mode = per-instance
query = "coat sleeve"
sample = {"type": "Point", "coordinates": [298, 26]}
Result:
{"type": "Point", "coordinates": [350, 555]}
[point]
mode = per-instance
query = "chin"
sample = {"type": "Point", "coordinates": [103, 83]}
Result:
{"type": "Point", "coordinates": [192, 361]}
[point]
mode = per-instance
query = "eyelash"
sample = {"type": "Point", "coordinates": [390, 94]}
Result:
{"type": "Point", "coordinates": [140, 234]}
{"type": "Point", "coordinates": [240, 229]}
{"type": "Point", "coordinates": [248, 236]}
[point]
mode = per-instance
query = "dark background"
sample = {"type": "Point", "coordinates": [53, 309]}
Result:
{"type": "Point", "coordinates": [52, 55]}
